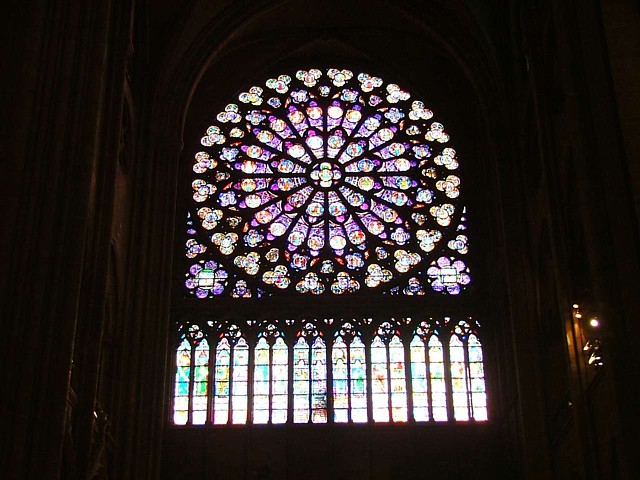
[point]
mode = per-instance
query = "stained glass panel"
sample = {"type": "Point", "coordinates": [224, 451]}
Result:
{"type": "Point", "coordinates": [319, 382]}
{"type": "Point", "coordinates": [398, 381]}
{"type": "Point", "coordinates": [261, 392]}
{"type": "Point", "coordinates": [340, 381]}
{"type": "Point", "coordinates": [459, 379]}
{"type": "Point", "coordinates": [200, 395]}
{"type": "Point", "coordinates": [301, 381]}
{"type": "Point", "coordinates": [181, 390]}
{"type": "Point", "coordinates": [419, 380]}
{"type": "Point", "coordinates": [358, 373]}
{"type": "Point", "coordinates": [379, 381]}
{"type": "Point", "coordinates": [279, 382]}
{"type": "Point", "coordinates": [239, 397]}
{"type": "Point", "coordinates": [446, 372]}
{"type": "Point", "coordinates": [437, 380]}
{"type": "Point", "coordinates": [476, 372]}
{"type": "Point", "coordinates": [221, 383]}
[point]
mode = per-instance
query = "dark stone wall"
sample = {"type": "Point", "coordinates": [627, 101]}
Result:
{"type": "Point", "coordinates": [102, 102]}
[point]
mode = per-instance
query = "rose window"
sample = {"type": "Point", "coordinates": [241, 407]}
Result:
{"type": "Point", "coordinates": [326, 182]}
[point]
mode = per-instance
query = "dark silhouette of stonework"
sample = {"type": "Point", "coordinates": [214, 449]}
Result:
{"type": "Point", "coordinates": [103, 102]}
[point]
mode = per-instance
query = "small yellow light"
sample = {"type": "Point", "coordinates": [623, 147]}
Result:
{"type": "Point", "coordinates": [594, 322]}
{"type": "Point", "coordinates": [578, 315]}
{"type": "Point", "coordinates": [575, 305]}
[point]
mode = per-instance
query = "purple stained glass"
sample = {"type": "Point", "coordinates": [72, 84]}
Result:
{"type": "Point", "coordinates": [323, 168]}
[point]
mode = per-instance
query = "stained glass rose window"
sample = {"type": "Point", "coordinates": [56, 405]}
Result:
{"type": "Point", "coordinates": [325, 182]}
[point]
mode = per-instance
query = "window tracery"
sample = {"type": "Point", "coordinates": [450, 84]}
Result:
{"type": "Point", "coordinates": [326, 183]}
{"type": "Point", "coordinates": [439, 378]}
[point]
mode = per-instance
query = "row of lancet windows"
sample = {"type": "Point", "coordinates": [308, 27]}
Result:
{"type": "Point", "coordinates": [324, 371]}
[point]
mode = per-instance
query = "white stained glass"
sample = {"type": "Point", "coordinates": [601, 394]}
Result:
{"type": "Point", "coordinates": [340, 381]}
{"type": "Point", "coordinates": [239, 399]}
{"type": "Point", "coordinates": [476, 372]}
{"type": "Point", "coordinates": [459, 380]}
{"type": "Point", "coordinates": [358, 385]}
{"type": "Point", "coordinates": [261, 395]}
{"type": "Point", "coordinates": [221, 383]}
{"type": "Point", "coordinates": [398, 381]}
{"type": "Point", "coordinates": [419, 381]}
{"type": "Point", "coordinates": [319, 382]}
{"type": "Point", "coordinates": [379, 381]}
{"type": "Point", "coordinates": [437, 380]}
{"type": "Point", "coordinates": [279, 382]}
{"type": "Point", "coordinates": [181, 388]}
{"type": "Point", "coordinates": [301, 381]}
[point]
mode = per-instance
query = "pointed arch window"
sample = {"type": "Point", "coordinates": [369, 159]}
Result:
{"type": "Point", "coordinates": [325, 183]}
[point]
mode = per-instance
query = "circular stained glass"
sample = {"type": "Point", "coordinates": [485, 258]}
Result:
{"type": "Point", "coordinates": [325, 182]}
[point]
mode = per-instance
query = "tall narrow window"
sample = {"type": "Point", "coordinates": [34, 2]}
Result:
{"type": "Point", "coordinates": [349, 377]}
{"type": "Point", "coordinates": [191, 386]}
{"type": "Point", "coordinates": [222, 383]}
{"type": "Point", "coordinates": [419, 377]}
{"type": "Point", "coordinates": [310, 377]}
{"type": "Point", "coordinates": [279, 382]}
{"type": "Point", "coordinates": [476, 373]}
{"type": "Point", "coordinates": [239, 397]}
{"type": "Point", "coordinates": [379, 381]}
{"type": "Point", "coordinates": [200, 392]}
{"type": "Point", "coordinates": [358, 381]}
{"type": "Point", "coordinates": [182, 381]}
{"type": "Point", "coordinates": [388, 380]}
{"type": "Point", "coordinates": [301, 377]}
{"type": "Point", "coordinates": [459, 379]}
{"type": "Point", "coordinates": [261, 382]}
{"type": "Point", "coordinates": [437, 381]}
{"type": "Point", "coordinates": [341, 388]}
{"type": "Point", "coordinates": [398, 381]}
{"type": "Point", "coordinates": [318, 381]}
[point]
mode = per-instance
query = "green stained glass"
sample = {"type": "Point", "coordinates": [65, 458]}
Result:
{"type": "Point", "coordinates": [199, 397]}
{"type": "Point", "coordinates": [181, 390]}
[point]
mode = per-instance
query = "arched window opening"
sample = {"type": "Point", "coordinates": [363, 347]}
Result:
{"type": "Point", "coordinates": [310, 377]}
{"type": "Point", "coordinates": [327, 184]}
{"type": "Point", "coordinates": [191, 385]}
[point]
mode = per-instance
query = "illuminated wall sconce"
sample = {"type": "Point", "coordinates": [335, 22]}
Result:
{"type": "Point", "coordinates": [590, 334]}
